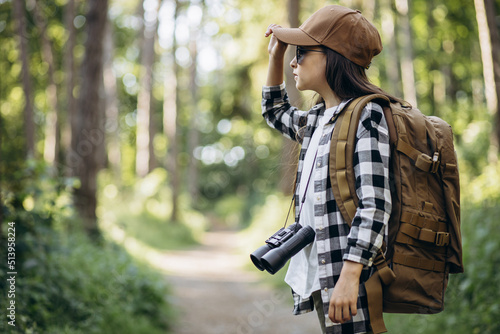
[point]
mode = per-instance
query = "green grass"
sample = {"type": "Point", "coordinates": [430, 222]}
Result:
{"type": "Point", "coordinates": [143, 212]}
{"type": "Point", "coordinates": [156, 233]}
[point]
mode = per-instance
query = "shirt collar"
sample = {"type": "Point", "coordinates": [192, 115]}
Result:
{"type": "Point", "coordinates": [340, 107]}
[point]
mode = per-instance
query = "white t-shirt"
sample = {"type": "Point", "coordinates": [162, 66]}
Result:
{"type": "Point", "coordinates": [302, 275]}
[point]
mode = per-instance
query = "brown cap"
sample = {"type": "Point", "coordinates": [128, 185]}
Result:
{"type": "Point", "coordinates": [339, 28]}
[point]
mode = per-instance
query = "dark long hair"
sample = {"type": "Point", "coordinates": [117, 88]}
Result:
{"type": "Point", "coordinates": [348, 80]}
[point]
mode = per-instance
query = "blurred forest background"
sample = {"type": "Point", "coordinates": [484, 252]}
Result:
{"type": "Point", "coordinates": [134, 125]}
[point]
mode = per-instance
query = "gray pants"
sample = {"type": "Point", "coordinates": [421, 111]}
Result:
{"type": "Point", "coordinates": [318, 305]}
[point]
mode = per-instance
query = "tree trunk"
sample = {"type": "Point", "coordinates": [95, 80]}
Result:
{"type": "Point", "coordinates": [112, 114]}
{"type": "Point", "coordinates": [486, 54]}
{"type": "Point", "coordinates": [489, 41]}
{"type": "Point", "coordinates": [406, 52]}
{"type": "Point", "coordinates": [289, 156]}
{"type": "Point", "coordinates": [71, 125]}
{"type": "Point", "coordinates": [144, 142]}
{"type": "Point", "coordinates": [170, 123]}
{"type": "Point", "coordinates": [193, 132]}
{"type": "Point", "coordinates": [89, 139]}
{"type": "Point", "coordinates": [491, 12]}
{"type": "Point", "coordinates": [170, 103]}
{"type": "Point", "coordinates": [51, 144]}
{"type": "Point", "coordinates": [19, 13]}
{"type": "Point", "coordinates": [1, 169]}
{"type": "Point", "coordinates": [391, 49]}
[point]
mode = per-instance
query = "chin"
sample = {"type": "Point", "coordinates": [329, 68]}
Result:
{"type": "Point", "coordinates": [299, 87]}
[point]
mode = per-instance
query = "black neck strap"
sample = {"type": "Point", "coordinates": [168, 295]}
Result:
{"type": "Point", "coordinates": [305, 193]}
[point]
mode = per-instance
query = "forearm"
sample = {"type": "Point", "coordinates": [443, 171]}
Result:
{"type": "Point", "coordinates": [351, 270]}
{"type": "Point", "coordinates": [276, 107]}
{"type": "Point", "coordinates": [275, 71]}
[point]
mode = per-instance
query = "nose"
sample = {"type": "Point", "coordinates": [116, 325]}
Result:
{"type": "Point", "coordinates": [293, 63]}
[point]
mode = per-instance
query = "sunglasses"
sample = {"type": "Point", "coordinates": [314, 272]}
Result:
{"type": "Point", "coordinates": [300, 52]}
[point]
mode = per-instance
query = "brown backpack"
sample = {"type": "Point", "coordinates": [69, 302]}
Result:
{"type": "Point", "coordinates": [424, 242]}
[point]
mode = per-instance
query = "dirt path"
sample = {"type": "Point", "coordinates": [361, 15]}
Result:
{"type": "Point", "coordinates": [215, 295]}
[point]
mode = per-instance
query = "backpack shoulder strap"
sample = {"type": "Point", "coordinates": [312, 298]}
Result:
{"type": "Point", "coordinates": [343, 184]}
{"type": "Point", "coordinates": [341, 155]}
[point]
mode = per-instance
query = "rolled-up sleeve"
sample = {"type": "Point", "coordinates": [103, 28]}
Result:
{"type": "Point", "coordinates": [371, 170]}
{"type": "Point", "coordinates": [279, 113]}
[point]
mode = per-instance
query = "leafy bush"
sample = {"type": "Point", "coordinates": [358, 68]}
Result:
{"type": "Point", "coordinates": [64, 282]}
{"type": "Point", "coordinates": [69, 285]}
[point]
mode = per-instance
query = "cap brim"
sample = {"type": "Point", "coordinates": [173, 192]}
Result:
{"type": "Point", "coordinates": [294, 36]}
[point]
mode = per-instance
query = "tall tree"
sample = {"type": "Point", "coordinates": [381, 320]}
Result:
{"type": "Point", "coordinates": [1, 171]}
{"type": "Point", "coordinates": [89, 138]}
{"type": "Point", "coordinates": [144, 142]}
{"type": "Point", "coordinates": [112, 114]}
{"type": "Point", "coordinates": [71, 125]}
{"type": "Point", "coordinates": [19, 13]}
{"type": "Point", "coordinates": [51, 144]}
{"type": "Point", "coordinates": [406, 51]}
{"type": "Point", "coordinates": [194, 132]}
{"type": "Point", "coordinates": [492, 11]}
{"type": "Point", "coordinates": [170, 121]}
{"type": "Point", "coordinates": [289, 152]}
{"type": "Point", "coordinates": [391, 48]}
{"type": "Point", "coordinates": [489, 41]}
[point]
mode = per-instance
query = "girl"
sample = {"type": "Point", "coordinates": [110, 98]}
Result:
{"type": "Point", "coordinates": [333, 49]}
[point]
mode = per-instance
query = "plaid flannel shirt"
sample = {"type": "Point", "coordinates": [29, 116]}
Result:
{"type": "Point", "coordinates": [336, 242]}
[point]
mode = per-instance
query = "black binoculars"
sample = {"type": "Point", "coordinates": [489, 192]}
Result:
{"type": "Point", "coordinates": [281, 246]}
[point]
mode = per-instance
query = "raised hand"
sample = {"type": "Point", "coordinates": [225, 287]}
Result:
{"type": "Point", "coordinates": [276, 47]}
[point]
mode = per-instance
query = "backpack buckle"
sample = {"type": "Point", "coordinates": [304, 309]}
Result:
{"type": "Point", "coordinates": [435, 163]}
{"type": "Point", "coordinates": [378, 259]}
{"type": "Point", "coordinates": [442, 239]}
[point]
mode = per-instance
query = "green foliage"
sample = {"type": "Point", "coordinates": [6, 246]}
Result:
{"type": "Point", "coordinates": [65, 283]}
{"type": "Point", "coordinates": [142, 212]}
{"type": "Point", "coordinates": [68, 283]}
{"type": "Point", "coordinates": [33, 196]}
{"type": "Point", "coordinates": [473, 147]}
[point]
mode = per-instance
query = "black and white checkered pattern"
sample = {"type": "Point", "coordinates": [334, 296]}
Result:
{"type": "Point", "coordinates": [335, 241]}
